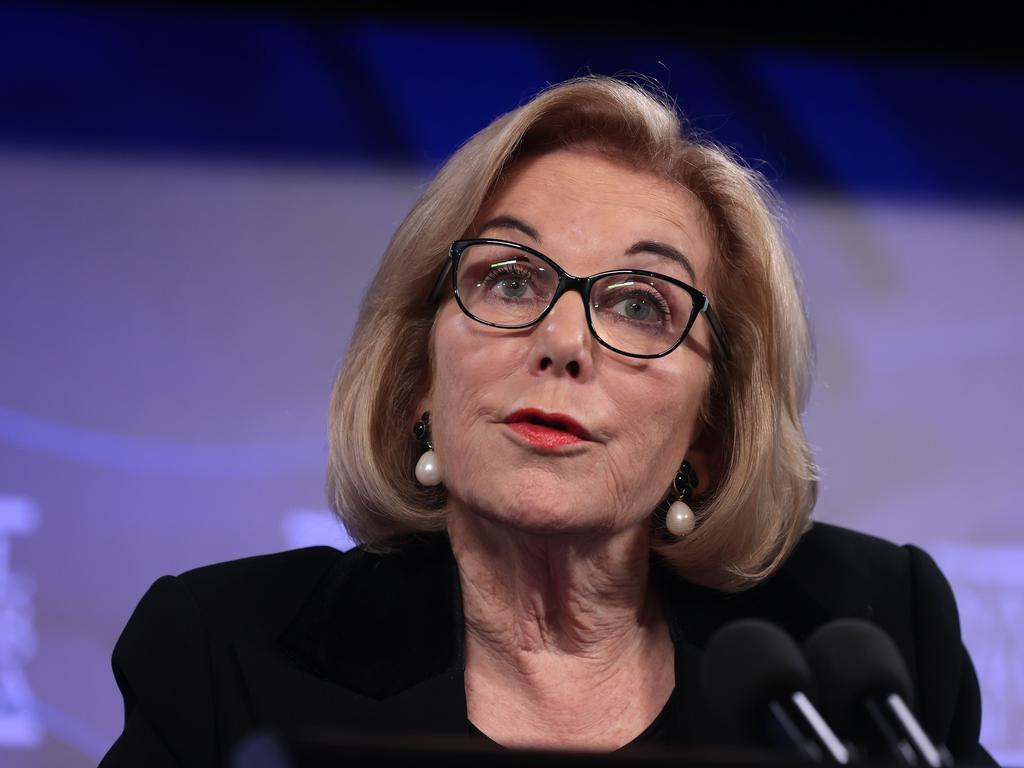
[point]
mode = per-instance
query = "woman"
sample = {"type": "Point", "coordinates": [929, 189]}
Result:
{"type": "Point", "coordinates": [562, 486]}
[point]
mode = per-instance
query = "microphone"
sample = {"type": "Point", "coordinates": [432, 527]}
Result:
{"type": "Point", "coordinates": [759, 684]}
{"type": "Point", "coordinates": [867, 692]}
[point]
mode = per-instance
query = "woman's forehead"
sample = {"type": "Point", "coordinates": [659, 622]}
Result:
{"type": "Point", "coordinates": [583, 198]}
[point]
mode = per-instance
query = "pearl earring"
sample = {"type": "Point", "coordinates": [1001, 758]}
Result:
{"type": "Point", "coordinates": [680, 519]}
{"type": "Point", "coordinates": [428, 468]}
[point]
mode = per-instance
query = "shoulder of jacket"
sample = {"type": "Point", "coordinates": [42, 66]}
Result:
{"type": "Point", "coordinates": [291, 564]}
{"type": "Point", "coordinates": [262, 590]}
{"type": "Point", "coordinates": [828, 548]}
{"type": "Point", "coordinates": [836, 539]}
{"type": "Point", "coordinates": [848, 574]}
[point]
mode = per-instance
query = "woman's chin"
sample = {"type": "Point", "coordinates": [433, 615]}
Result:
{"type": "Point", "coordinates": [529, 501]}
{"type": "Point", "coordinates": [550, 515]}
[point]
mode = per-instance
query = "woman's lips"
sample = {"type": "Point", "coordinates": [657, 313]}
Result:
{"type": "Point", "coordinates": [542, 436]}
{"type": "Point", "coordinates": [546, 430]}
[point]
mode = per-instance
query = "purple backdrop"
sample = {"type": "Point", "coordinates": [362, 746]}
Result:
{"type": "Point", "coordinates": [169, 333]}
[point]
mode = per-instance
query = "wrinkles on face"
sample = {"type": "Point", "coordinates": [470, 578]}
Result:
{"type": "Point", "coordinates": [642, 413]}
{"type": "Point", "coordinates": [640, 434]}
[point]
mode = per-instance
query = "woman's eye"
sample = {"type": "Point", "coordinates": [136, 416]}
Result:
{"type": "Point", "coordinates": [641, 308]}
{"type": "Point", "coordinates": [634, 309]}
{"type": "Point", "coordinates": [512, 287]}
{"type": "Point", "coordinates": [508, 284]}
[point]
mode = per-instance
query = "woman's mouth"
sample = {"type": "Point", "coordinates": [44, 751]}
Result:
{"type": "Point", "coordinates": [546, 430]}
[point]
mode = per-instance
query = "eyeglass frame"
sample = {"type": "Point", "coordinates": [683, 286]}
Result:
{"type": "Point", "coordinates": [582, 286]}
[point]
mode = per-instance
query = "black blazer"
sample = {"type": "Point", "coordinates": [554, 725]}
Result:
{"type": "Point", "coordinates": [315, 637]}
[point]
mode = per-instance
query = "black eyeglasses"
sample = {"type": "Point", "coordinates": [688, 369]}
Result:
{"type": "Point", "coordinates": [630, 311]}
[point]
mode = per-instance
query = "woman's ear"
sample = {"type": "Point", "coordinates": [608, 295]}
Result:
{"type": "Point", "coordinates": [705, 456]}
{"type": "Point", "coordinates": [422, 404]}
{"type": "Point", "coordinates": [423, 393]}
{"type": "Point", "coordinates": [422, 397]}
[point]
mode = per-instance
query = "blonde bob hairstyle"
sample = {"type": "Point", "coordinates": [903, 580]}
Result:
{"type": "Point", "coordinates": [758, 502]}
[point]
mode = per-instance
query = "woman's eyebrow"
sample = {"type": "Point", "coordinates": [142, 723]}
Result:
{"type": "Point", "coordinates": [510, 222]}
{"type": "Point", "coordinates": [664, 250]}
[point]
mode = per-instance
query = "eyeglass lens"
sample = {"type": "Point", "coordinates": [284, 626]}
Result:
{"type": "Point", "coordinates": [633, 313]}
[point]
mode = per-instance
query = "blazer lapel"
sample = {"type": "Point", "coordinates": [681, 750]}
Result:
{"type": "Point", "coordinates": [378, 644]}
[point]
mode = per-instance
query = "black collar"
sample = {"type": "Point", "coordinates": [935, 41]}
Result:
{"type": "Point", "coordinates": [378, 624]}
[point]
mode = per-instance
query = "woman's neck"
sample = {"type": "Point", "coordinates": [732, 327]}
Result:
{"type": "Point", "coordinates": [566, 643]}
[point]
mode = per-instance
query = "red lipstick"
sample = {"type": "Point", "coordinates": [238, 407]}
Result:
{"type": "Point", "coordinates": [546, 430]}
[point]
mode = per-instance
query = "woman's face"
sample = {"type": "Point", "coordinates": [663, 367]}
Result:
{"type": "Point", "coordinates": [637, 417]}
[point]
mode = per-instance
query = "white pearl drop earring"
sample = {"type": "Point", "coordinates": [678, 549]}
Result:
{"type": "Point", "coordinates": [428, 468]}
{"type": "Point", "coordinates": [680, 519]}
{"type": "Point", "coordinates": [428, 471]}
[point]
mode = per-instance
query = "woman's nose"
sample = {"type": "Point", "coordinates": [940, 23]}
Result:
{"type": "Point", "coordinates": [562, 340]}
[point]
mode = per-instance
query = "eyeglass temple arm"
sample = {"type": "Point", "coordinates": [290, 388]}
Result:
{"type": "Point", "coordinates": [440, 279]}
{"type": "Point", "coordinates": [716, 328]}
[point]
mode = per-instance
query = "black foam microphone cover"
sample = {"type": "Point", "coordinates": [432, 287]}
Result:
{"type": "Point", "coordinates": [747, 664]}
{"type": "Point", "coordinates": [853, 660]}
